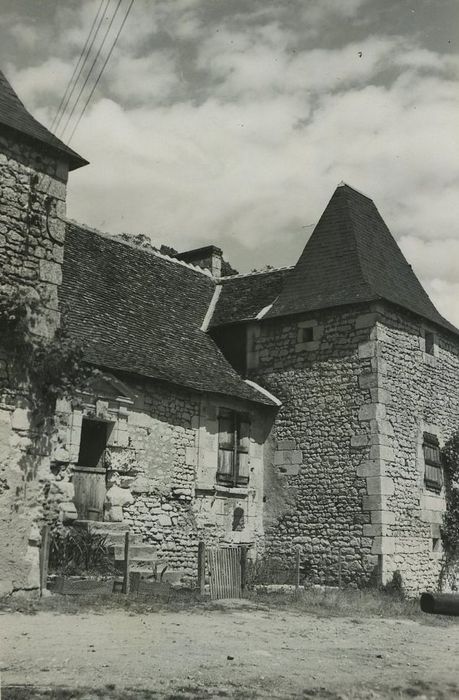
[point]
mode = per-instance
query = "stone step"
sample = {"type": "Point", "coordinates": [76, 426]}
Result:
{"type": "Point", "coordinates": [136, 552]}
{"type": "Point", "coordinates": [115, 532]}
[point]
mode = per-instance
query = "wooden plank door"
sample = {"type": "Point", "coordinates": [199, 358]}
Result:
{"type": "Point", "coordinates": [225, 572]}
{"type": "Point", "coordinates": [90, 489]}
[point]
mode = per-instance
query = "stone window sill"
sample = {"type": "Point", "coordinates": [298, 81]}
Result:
{"type": "Point", "coordinates": [219, 488]}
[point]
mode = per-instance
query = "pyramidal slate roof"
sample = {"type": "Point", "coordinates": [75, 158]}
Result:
{"type": "Point", "coordinates": [14, 115]}
{"type": "Point", "coordinates": [140, 312]}
{"type": "Point", "coordinates": [352, 257]}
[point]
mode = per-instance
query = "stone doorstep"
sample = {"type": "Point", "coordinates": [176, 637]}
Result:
{"type": "Point", "coordinates": [137, 552]}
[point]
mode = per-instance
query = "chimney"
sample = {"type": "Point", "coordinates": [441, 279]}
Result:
{"type": "Point", "coordinates": [209, 257]}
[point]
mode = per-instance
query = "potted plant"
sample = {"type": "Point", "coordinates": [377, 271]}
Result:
{"type": "Point", "coordinates": [79, 562]}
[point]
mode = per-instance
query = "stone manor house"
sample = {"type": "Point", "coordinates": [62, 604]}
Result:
{"type": "Point", "coordinates": [295, 407]}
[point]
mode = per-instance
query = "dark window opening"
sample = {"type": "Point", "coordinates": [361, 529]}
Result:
{"type": "Point", "coordinates": [436, 547]}
{"type": "Point", "coordinates": [232, 341]}
{"type": "Point", "coordinates": [433, 475]}
{"type": "Point", "coordinates": [430, 343]}
{"type": "Point", "coordinates": [233, 448]}
{"type": "Point", "coordinates": [94, 434]}
{"type": "Point", "coordinates": [307, 335]}
{"type": "Point", "coordinates": [238, 520]}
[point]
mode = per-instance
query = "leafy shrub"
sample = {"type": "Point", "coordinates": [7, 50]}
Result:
{"type": "Point", "coordinates": [75, 551]}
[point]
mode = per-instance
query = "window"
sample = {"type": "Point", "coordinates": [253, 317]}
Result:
{"type": "Point", "coordinates": [433, 475]}
{"type": "Point", "coordinates": [430, 343]}
{"type": "Point", "coordinates": [93, 442]}
{"type": "Point", "coordinates": [233, 448]}
{"type": "Point", "coordinates": [238, 520]}
{"type": "Point", "coordinates": [306, 335]}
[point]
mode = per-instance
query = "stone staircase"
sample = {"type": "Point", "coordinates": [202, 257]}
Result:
{"type": "Point", "coordinates": [142, 557]}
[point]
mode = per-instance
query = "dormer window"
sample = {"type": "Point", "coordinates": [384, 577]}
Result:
{"type": "Point", "coordinates": [433, 472]}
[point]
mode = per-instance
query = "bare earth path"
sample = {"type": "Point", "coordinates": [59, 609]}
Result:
{"type": "Point", "coordinates": [237, 652]}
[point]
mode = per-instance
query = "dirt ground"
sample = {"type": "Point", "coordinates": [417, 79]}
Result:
{"type": "Point", "coordinates": [236, 651]}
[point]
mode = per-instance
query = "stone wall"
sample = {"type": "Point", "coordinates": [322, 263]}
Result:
{"type": "Point", "coordinates": [161, 461]}
{"type": "Point", "coordinates": [419, 392]}
{"type": "Point", "coordinates": [314, 491]}
{"type": "Point", "coordinates": [344, 466]}
{"type": "Point", "coordinates": [32, 203]}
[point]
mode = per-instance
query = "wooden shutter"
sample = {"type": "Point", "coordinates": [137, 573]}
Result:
{"type": "Point", "coordinates": [226, 447]}
{"type": "Point", "coordinates": [243, 450]}
{"type": "Point", "coordinates": [433, 475]}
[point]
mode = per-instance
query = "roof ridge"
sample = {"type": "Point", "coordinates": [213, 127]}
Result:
{"type": "Point", "coordinates": [353, 226]}
{"type": "Point", "coordinates": [255, 272]}
{"type": "Point", "coordinates": [150, 251]}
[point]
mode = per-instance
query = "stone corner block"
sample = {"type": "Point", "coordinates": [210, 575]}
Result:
{"type": "Point", "coordinates": [382, 485]}
{"type": "Point", "coordinates": [372, 411]}
{"type": "Point", "coordinates": [383, 545]}
{"type": "Point", "coordinates": [50, 272]}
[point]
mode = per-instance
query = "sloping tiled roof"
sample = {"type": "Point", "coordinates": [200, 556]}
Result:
{"type": "Point", "coordinates": [14, 115]}
{"type": "Point", "coordinates": [352, 257]}
{"type": "Point", "coordinates": [139, 312]}
{"type": "Point", "coordinates": [243, 296]}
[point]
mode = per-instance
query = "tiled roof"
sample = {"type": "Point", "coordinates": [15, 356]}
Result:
{"type": "Point", "coordinates": [243, 296]}
{"type": "Point", "coordinates": [140, 312]}
{"type": "Point", "coordinates": [14, 115]}
{"type": "Point", "coordinates": [352, 257]}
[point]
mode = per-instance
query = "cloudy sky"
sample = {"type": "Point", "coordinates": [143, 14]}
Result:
{"type": "Point", "coordinates": [232, 121]}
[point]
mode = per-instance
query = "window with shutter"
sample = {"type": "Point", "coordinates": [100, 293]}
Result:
{"type": "Point", "coordinates": [433, 473]}
{"type": "Point", "coordinates": [233, 448]}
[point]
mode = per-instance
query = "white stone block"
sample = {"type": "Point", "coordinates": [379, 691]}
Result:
{"type": "Point", "coordinates": [380, 485]}
{"type": "Point", "coordinates": [191, 456]}
{"type": "Point", "coordinates": [371, 411]}
{"type": "Point", "coordinates": [379, 395]}
{"type": "Point", "coordinates": [20, 419]}
{"type": "Point", "coordinates": [374, 502]}
{"type": "Point", "coordinates": [383, 545]}
{"type": "Point", "coordinates": [383, 516]}
{"type": "Point", "coordinates": [368, 349]}
{"type": "Point", "coordinates": [382, 452]}
{"type": "Point", "coordinates": [50, 272]}
{"type": "Point", "coordinates": [371, 467]}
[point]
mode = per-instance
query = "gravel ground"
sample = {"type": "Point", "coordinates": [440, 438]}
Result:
{"type": "Point", "coordinates": [239, 650]}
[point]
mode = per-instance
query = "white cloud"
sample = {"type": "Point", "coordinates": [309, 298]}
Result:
{"type": "Point", "coordinates": [252, 152]}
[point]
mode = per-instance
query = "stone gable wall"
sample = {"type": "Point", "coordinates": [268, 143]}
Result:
{"type": "Point", "coordinates": [314, 491]}
{"type": "Point", "coordinates": [32, 203]}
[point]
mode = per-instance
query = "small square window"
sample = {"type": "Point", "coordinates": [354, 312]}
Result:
{"type": "Point", "coordinates": [430, 343]}
{"type": "Point", "coordinates": [306, 335]}
{"type": "Point", "coordinates": [433, 474]}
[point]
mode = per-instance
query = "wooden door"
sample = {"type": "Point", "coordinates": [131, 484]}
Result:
{"type": "Point", "coordinates": [90, 489]}
{"type": "Point", "coordinates": [225, 572]}
{"type": "Point", "coordinates": [89, 476]}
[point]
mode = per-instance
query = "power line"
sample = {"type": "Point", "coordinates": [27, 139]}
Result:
{"type": "Point", "coordinates": [102, 70]}
{"type": "Point", "coordinates": [83, 57]}
{"type": "Point", "coordinates": [91, 68]}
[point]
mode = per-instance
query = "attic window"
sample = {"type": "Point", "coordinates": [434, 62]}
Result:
{"type": "Point", "coordinates": [94, 434]}
{"type": "Point", "coordinates": [233, 448]}
{"type": "Point", "coordinates": [433, 474]}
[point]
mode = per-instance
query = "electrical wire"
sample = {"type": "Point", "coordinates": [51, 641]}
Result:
{"type": "Point", "coordinates": [79, 67]}
{"type": "Point", "coordinates": [99, 51]}
{"type": "Point", "coordinates": [102, 70]}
